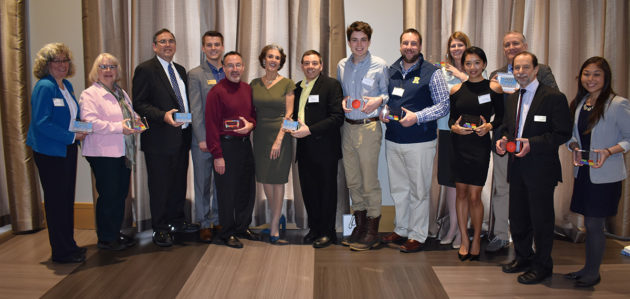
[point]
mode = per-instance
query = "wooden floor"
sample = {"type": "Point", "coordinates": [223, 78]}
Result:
{"type": "Point", "coordinates": [261, 270]}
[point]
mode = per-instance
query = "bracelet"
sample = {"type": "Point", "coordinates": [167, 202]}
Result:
{"type": "Point", "coordinates": [609, 152]}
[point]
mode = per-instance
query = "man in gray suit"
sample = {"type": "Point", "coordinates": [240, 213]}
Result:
{"type": "Point", "coordinates": [514, 43]}
{"type": "Point", "coordinates": [201, 79]}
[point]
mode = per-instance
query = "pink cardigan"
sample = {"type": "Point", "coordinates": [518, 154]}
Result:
{"type": "Point", "coordinates": [102, 109]}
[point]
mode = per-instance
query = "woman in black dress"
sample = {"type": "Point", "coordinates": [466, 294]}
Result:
{"type": "Point", "coordinates": [601, 125]}
{"type": "Point", "coordinates": [473, 102]}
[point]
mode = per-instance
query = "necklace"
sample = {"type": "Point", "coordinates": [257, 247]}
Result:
{"type": "Point", "coordinates": [271, 81]}
{"type": "Point", "coordinates": [587, 107]}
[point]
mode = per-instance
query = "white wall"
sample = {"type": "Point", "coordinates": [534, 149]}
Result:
{"type": "Point", "coordinates": [60, 21]}
{"type": "Point", "coordinates": [386, 20]}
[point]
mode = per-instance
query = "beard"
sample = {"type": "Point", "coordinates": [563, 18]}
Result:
{"type": "Point", "coordinates": [413, 58]}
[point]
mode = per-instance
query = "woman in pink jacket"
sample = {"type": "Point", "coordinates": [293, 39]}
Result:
{"type": "Point", "coordinates": [110, 149]}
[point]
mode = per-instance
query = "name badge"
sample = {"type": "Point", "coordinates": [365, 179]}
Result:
{"type": "Point", "coordinates": [368, 81]}
{"type": "Point", "coordinates": [212, 82]}
{"type": "Point", "coordinates": [485, 98]}
{"type": "Point", "coordinates": [58, 102]}
{"type": "Point", "coordinates": [540, 118]}
{"type": "Point", "coordinates": [313, 98]}
{"type": "Point", "coordinates": [398, 91]}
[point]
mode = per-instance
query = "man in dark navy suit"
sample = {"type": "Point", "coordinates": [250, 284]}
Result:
{"type": "Point", "coordinates": [538, 121]}
{"type": "Point", "coordinates": [318, 110]}
{"type": "Point", "coordinates": [159, 91]}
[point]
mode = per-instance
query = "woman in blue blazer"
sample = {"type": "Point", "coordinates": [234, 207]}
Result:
{"type": "Point", "coordinates": [601, 125]}
{"type": "Point", "coordinates": [54, 107]}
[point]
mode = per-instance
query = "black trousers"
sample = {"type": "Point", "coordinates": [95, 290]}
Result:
{"type": "Point", "coordinates": [532, 218]}
{"type": "Point", "coordinates": [58, 177]}
{"type": "Point", "coordinates": [112, 183]}
{"type": "Point", "coordinates": [236, 188]}
{"type": "Point", "coordinates": [167, 187]}
{"type": "Point", "coordinates": [318, 180]}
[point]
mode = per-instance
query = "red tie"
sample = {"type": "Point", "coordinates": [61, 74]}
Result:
{"type": "Point", "coordinates": [518, 112]}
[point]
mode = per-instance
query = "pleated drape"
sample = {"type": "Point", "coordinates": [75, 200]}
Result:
{"type": "Point", "coordinates": [22, 191]}
{"type": "Point", "coordinates": [563, 34]}
{"type": "Point", "coordinates": [246, 25]}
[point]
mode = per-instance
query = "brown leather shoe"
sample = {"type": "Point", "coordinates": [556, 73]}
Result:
{"type": "Point", "coordinates": [360, 218]}
{"type": "Point", "coordinates": [370, 239]}
{"type": "Point", "coordinates": [393, 238]}
{"type": "Point", "coordinates": [411, 246]}
{"type": "Point", "coordinates": [205, 235]}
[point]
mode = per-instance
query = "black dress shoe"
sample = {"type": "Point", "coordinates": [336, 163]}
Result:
{"type": "Point", "coordinates": [115, 245]}
{"type": "Point", "coordinates": [233, 242]}
{"type": "Point", "coordinates": [516, 266]}
{"type": "Point", "coordinates": [82, 250]}
{"type": "Point", "coordinates": [249, 235]}
{"type": "Point", "coordinates": [74, 258]}
{"type": "Point", "coordinates": [572, 276]}
{"type": "Point", "coordinates": [324, 241]}
{"type": "Point", "coordinates": [162, 239]}
{"type": "Point", "coordinates": [533, 276]}
{"type": "Point", "coordinates": [310, 237]}
{"type": "Point", "coordinates": [587, 284]}
{"type": "Point", "coordinates": [126, 240]}
{"type": "Point", "coordinates": [184, 227]}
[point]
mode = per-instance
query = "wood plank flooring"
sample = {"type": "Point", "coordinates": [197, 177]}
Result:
{"type": "Point", "coordinates": [260, 270]}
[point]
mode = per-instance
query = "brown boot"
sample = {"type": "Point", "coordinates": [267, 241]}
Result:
{"type": "Point", "coordinates": [360, 217]}
{"type": "Point", "coordinates": [370, 239]}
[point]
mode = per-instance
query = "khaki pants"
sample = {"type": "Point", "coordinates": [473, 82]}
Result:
{"type": "Point", "coordinates": [361, 145]}
{"type": "Point", "coordinates": [410, 169]}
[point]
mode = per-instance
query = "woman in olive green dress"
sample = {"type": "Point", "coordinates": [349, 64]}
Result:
{"type": "Point", "coordinates": [273, 99]}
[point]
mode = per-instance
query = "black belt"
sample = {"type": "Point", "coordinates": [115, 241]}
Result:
{"type": "Point", "coordinates": [361, 121]}
{"type": "Point", "coordinates": [234, 138]}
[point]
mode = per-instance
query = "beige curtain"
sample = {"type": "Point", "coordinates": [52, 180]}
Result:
{"type": "Point", "coordinates": [19, 175]}
{"type": "Point", "coordinates": [562, 33]}
{"type": "Point", "coordinates": [246, 25]}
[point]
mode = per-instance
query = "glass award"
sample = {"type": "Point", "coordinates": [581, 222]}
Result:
{"type": "Point", "coordinates": [513, 147]}
{"type": "Point", "coordinates": [182, 117]}
{"type": "Point", "coordinates": [355, 104]}
{"type": "Point", "coordinates": [507, 81]}
{"type": "Point", "coordinates": [290, 125]}
{"type": "Point", "coordinates": [470, 121]}
{"type": "Point", "coordinates": [391, 115]}
{"type": "Point", "coordinates": [585, 158]}
{"type": "Point", "coordinates": [139, 124]}
{"type": "Point", "coordinates": [80, 127]}
{"type": "Point", "coordinates": [231, 124]}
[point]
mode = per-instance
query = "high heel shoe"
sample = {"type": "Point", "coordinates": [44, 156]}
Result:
{"type": "Point", "coordinates": [275, 240]}
{"type": "Point", "coordinates": [474, 257]}
{"type": "Point", "coordinates": [463, 257]}
{"type": "Point", "coordinates": [282, 225]}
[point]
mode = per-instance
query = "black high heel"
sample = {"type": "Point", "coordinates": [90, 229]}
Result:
{"type": "Point", "coordinates": [474, 257]}
{"type": "Point", "coordinates": [463, 257]}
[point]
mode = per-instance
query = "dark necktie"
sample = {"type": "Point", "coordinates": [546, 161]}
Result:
{"type": "Point", "coordinates": [180, 101]}
{"type": "Point", "coordinates": [518, 112]}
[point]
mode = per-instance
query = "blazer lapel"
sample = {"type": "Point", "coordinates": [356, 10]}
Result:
{"type": "Point", "coordinates": [165, 80]}
{"type": "Point", "coordinates": [536, 102]}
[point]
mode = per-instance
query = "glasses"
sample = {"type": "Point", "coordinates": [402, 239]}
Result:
{"type": "Point", "coordinates": [166, 41]}
{"type": "Point", "coordinates": [107, 66]}
{"type": "Point", "coordinates": [60, 60]}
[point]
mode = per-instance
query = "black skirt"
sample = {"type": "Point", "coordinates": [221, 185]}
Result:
{"type": "Point", "coordinates": [594, 200]}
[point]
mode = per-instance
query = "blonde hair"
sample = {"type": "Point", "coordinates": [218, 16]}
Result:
{"type": "Point", "coordinates": [47, 54]}
{"type": "Point", "coordinates": [458, 35]}
{"type": "Point", "coordinates": [93, 75]}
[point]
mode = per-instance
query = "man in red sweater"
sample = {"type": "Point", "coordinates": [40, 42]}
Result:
{"type": "Point", "coordinates": [230, 117]}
